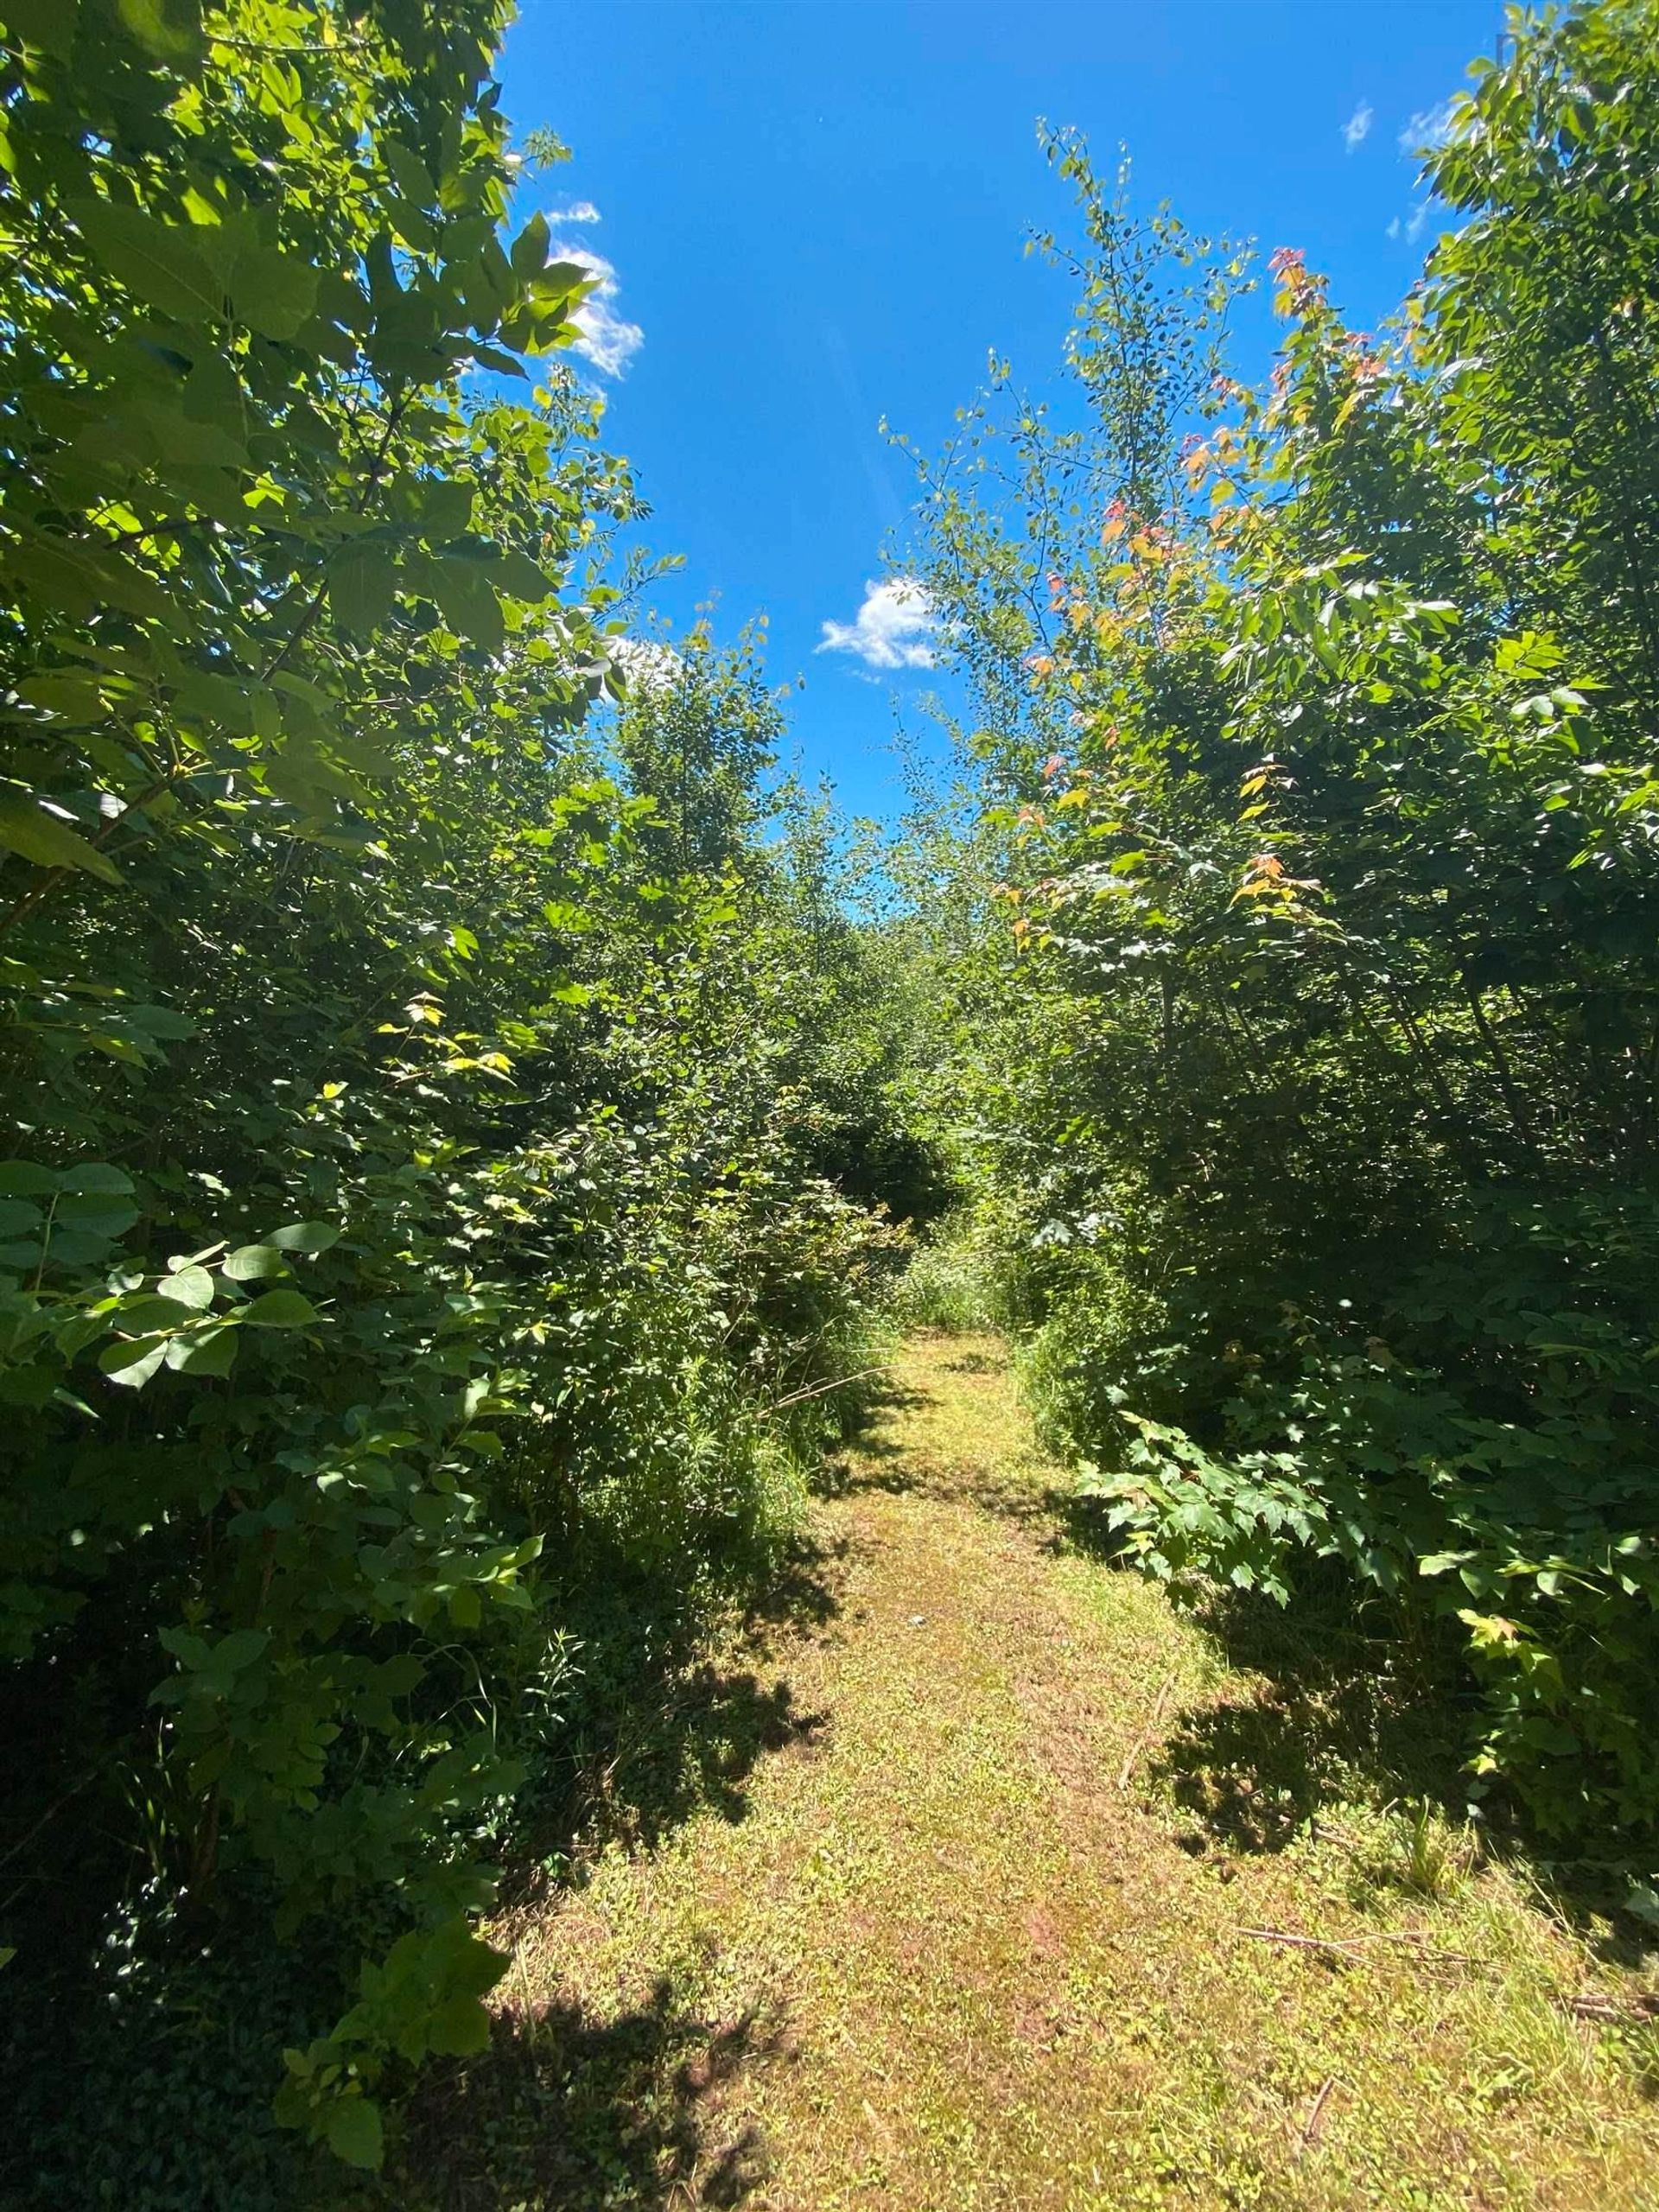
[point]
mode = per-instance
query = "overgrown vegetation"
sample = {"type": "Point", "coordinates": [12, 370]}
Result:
{"type": "Point", "coordinates": [1312, 1036]}
{"type": "Point", "coordinates": [430, 1109]}
{"type": "Point", "coordinates": [468, 1121]}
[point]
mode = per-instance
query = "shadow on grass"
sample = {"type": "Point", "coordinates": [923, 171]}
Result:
{"type": "Point", "coordinates": [879, 1456]}
{"type": "Point", "coordinates": [565, 2114]}
{"type": "Point", "coordinates": [1330, 1703]}
{"type": "Point", "coordinates": [1334, 1702]}
{"type": "Point", "coordinates": [1327, 1700]}
{"type": "Point", "coordinates": [654, 1729]}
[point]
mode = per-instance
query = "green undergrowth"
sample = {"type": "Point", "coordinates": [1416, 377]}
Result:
{"type": "Point", "coordinates": [140, 2072]}
{"type": "Point", "coordinates": [991, 1880]}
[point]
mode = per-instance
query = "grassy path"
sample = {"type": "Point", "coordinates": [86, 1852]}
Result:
{"type": "Point", "coordinates": [969, 1934]}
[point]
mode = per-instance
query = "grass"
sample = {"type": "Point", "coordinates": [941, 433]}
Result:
{"type": "Point", "coordinates": [959, 1912]}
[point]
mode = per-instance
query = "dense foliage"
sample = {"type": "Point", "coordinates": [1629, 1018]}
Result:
{"type": "Point", "coordinates": [428, 1113]}
{"type": "Point", "coordinates": [460, 1134]}
{"type": "Point", "coordinates": [1311, 1030]}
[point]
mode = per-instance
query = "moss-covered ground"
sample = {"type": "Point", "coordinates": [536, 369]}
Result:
{"type": "Point", "coordinates": [996, 1885]}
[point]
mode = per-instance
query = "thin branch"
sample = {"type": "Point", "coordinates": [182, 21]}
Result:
{"type": "Point", "coordinates": [1310, 2132]}
{"type": "Point", "coordinates": [800, 1397]}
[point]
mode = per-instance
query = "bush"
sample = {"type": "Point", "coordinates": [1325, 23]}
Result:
{"type": "Point", "coordinates": [1307, 1040]}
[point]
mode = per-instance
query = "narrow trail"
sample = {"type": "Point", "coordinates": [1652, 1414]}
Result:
{"type": "Point", "coordinates": [959, 1939]}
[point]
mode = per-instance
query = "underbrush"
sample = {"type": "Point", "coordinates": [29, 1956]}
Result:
{"type": "Point", "coordinates": [951, 1282]}
{"type": "Point", "coordinates": [142, 2045]}
{"type": "Point", "coordinates": [1476, 1445]}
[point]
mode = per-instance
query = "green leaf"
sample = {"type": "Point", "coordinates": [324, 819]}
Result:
{"type": "Point", "coordinates": [529, 252]}
{"type": "Point", "coordinates": [76, 698]}
{"type": "Point", "coordinates": [27, 828]}
{"type": "Point", "coordinates": [500, 364]}
{"type": "Point", "coordinates": [191, 1287]}
{"type": "Point", "coordinates": [48, 24]}
{"type": "Point", "coordinates": [280, 1309]}
{"type": "Point", "coordinates": [91, 1212]}
{"type": "Point", "coordinates": [461, 2027]}
{"type": "Point", "coordinates": [170, 30]}
{"type": "Point", "coordinates": [97, 1177]}
{"type": "Point", "coordinates": [518, 577]}
{"type": "Point", "coordinates": [146, 1313]}
{"type": "Point", "coordinates": [468, 602]}
{"type": "Point", "coordinates": [26, 1179]}
{"type": "Point", "coordinates": [239, 1649]}
{"type": "Point", "coordinates": [273, 293]}
{"type": "Point", "coordinates": [253, 1263]}
{"type": "Point", "coordinates": [305, 1236]}
{"type": "Point", "coordinates": [207, 1352]}
{"type": "Point", "coordinates": [354, 2132]}
{"type": "Point", "coordinates": [409, 172]}
{"type": "Point", "coordinates": [1442, 1562]}
{"type": "Point", "coordinates": [561, 278]}
{"type": "Point", "coordinates": [156, 260]}
{"type": "Point", "coordinates": [132, 1362]}
{"type": "Point", "coordinates": [362, 587]}
{"type": "Point", "coordinates": [79, 1248]}
{"type": "Point", "coordinates": [77, 576]}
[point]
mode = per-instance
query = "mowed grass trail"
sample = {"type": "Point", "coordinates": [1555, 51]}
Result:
{"type": "Point", "coordinates": [961, 1923]}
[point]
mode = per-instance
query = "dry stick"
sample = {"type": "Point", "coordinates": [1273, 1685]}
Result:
{"type": "Point", "coordinates": [800, 1397]}
{"type": "Point", "coordinates": [1506, 1082]}
{"type": "Point", "coordinates": [1312, 2128]}
{"type": "Point", "coordinates": [49, 1815]}
{"type": "Point", "coordinates": [1596, 2005]}
{"type": "Point", "coordinates": [1301, 1943]}
{"type": "Point", "coordinates": [1146, 1733]}
{"type": "Point", "coordinates": [1353, 1946]}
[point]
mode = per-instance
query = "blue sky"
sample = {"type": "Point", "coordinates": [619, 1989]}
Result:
{"type": "Point", "coordinates": [815, 212]}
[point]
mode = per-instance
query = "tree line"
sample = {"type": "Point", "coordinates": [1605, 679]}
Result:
{"type": "Point", "coordinates": [1304, 934]}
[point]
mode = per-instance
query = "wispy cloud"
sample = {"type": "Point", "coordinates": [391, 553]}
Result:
{"type": "Point", "coordinates": [1358, 129]}
{"type": "Point", "coordinates": [892, 629]}
{"type": "Point", "coordinates": [1428, 128]}
{"type": "Point", "coordinates": [579, 210]}
{"type": "Point", "coordinates": [604, 337]}
{"type": "Point", "coordinates": [1410, 227]}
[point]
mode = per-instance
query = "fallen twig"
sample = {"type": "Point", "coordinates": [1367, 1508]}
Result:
{"type": "Point", "coordinates": [800, 1397]}
{"type": "Point", "coordinates": [1310, 2133]}
{"type": "Point", "coordinates": [1353, 1946]}
{"type": "Point", "coordinates": [1299, 1942]}
{"type": "Point", "coordinates": [1634, 2011]}
{"type": "Point", "coordinates": [1346, 1837]}
{"type": "Point", "coordinates": [1146, 1733]}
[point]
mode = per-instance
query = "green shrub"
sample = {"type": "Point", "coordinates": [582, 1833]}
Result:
{"type": "Point", "coordinates": [1303, 1033]}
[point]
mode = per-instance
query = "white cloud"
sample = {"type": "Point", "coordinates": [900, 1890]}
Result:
{"type": "Point", "coordinates": [579, 210]}
{"type": "Point", "coordinates": [1358, 129]}
{"type": "Point", "coordinates": [605, 337]}
{"type": "Point", "coordinates": [1412, 226]}
{"type": "Point", "coordinates": [892, 628]}
{"type": "Point", "coordinates": [1428, 128]}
